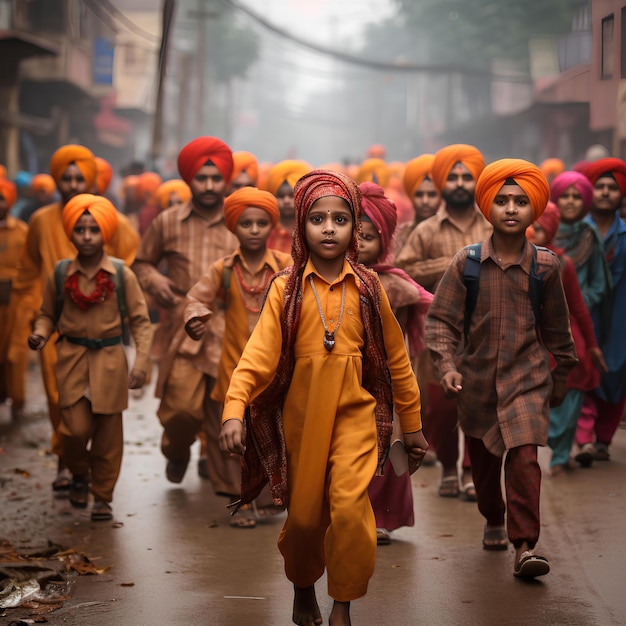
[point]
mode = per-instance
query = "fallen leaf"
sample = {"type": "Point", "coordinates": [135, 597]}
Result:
{"type": "Point", "coordinates": [117, 524]}
{"type": "Point", "coordinates": [127, 584]}
{"type": "Point", "coordinates": [24, 473]}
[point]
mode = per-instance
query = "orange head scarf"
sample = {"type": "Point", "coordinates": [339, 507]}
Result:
{"type": "Point", "coordinates": [43, 182]}
{"type": "Point", "coordinates": [376, 151]}
{"type": "Point", "coordinates": [416, 171]}
{"type": "Point", "coordinates": [240, 200]}
{"type": "Point", "coordinates": [72, 153]}
{"type": "Point", "coordinates": [245, 162]}
{"type": "Point", "coordinates": [147, 184]}
{"type": "Point", "coordinates": [98, 207]}
{"type": "Point", "coordinates": [373, 171]}
{"type": "Point", "coordinates": [202, 149]}
{"type": "Point", "coordinates": [8, 191]}
{"type": "Point", "coordinates": [527, 175]}
{"type": "Point", "coordinates": [289, 172]}
{"type": "Point", "coordinates": [104, 175]}
{"type": "Point", "coordinates": [552, 167]}
{"type": "Point", "coordinates": [163, 192]}
{"type": "Point", "coordinates": [611, 166]}
{"type": "Point", "coordinates": [449, 156]}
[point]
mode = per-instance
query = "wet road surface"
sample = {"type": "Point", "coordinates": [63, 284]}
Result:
{"type": "Point", "coordinates": [174, 559]}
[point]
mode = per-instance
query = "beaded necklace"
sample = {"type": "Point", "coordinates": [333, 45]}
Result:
{"type": "Point", "coordinates": [329, 337]}
{"type": "Point", "coordinates": [255, 292]}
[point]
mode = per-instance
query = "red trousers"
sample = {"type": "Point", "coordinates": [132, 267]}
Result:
{"type": "Point", "coordinates": [522, 484]}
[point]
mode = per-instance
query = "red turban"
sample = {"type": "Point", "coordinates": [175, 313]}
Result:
{"type": "Point", "coordinates": [240, 200]}
{"type": "Point", "coordinates": [8, 191]}
{"type": "Point", "coordinates": [72, 153]}
{"type": "Point", "coordinates": [202, 149]}
{"type": "Point", "coordinates": [373, 170]}
{"type": "Point", "coordinates": [245, 162]}
{"type": "Point", "coordinates": [285, 172]}
{"type": "Point", "coordinates": [165, 190]}
{"type": "Point", "coordinates": [321, 184]}
{"type": "Point", "coordinates": [382, 212]}
{"type": "Point", "coordinates": [550, 220]}
{"type": "Point", "coordinates": [104, 175]}
{"type": "Point", "coordinates": [99, 207]}
{"type": "Point", "coordinates": [43, 182]}
{"type": "Point", "coordinates": [527, 175]}
{"type": "Point", "coordinates": [610, 165]}
{"type": "Point", "coordinates": [147, 184]}
{"type": "Point", "coordinates": [376, 151]}
{"type": "Point", "coordinates": [416, 171]}
{"type": "Point", "coordinates": [449, 156]}
{"type": "Point", "coordinates": [552, 167]}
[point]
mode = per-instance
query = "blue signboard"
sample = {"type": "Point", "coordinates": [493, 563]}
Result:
{"type": "Point", "coordinates": [103, 61]}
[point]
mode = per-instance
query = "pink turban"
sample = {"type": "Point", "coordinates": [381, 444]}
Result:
{"type": "Point", "coordinates": [614, 167]}
{"type": "Point", "coordinates": [72, 153]}
{"type": "Point", "coordinates": [382, 212]}
{"type": "Point", "coordinates": [99, 207]}
{"type": "Point", "coordinates": [202, 149]}
{"type": "Point", "coordinates": [527, 175]}
{"type": "Point", "coordinates": [568, 179]}
{"type": "Point", "coordinates": [238, 201]}
{"type": "Point", "coordinates": [449, 156]}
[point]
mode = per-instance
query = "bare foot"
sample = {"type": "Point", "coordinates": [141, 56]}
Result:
{"type": "Point", "coordinates": [306, 612]}
{"type": "Point", "coordinates": [340, 615]}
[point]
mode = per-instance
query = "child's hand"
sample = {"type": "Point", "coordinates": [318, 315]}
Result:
{"type": "Point", "coordinates": [136, 379]}
{"type": "Point", "coordinates": [597, 358]}
{"type": "Point", "coordinates": [163, 294]}
{"type": "Point", "coordinates": [451, 384]}
{"type": "Point", "coordinates": [231, 437]}
{"type": "Point", "coordinates": [559, 391]}
{"type": "Point", "coordinates": [36, 342]}
{"type": "Point", "coordinates": [195, 328]}
{"type": "Point", "coordinates": [415, 445]}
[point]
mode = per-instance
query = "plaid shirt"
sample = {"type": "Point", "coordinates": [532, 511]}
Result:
{"type": "Point", "coordinates": [429, 248]}
{"type": "Point", "coordinates": [506, 371]}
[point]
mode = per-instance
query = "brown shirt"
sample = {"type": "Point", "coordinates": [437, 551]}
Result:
{"type": "Point", "coordinates": [431, 245]}
{"type": "Point", "coordinates": [506, 370]}
{"type": "Point", "coordinates": [100, 375]}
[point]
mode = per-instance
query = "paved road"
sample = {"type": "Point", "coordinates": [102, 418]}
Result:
{"type": "Point", "coordinates": [187, 566]}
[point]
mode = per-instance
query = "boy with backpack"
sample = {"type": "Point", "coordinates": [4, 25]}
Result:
{"type": "Point", "coordinates": [86, 300]}
{"type": "Point", "coordinates": [494, 359]}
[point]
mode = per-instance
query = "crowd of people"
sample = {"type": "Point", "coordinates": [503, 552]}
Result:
{"type": "Point", "coordinates": [323, 333]}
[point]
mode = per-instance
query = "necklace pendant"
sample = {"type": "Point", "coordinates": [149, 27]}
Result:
{"type": "Point", "coordinates": [329, 341]}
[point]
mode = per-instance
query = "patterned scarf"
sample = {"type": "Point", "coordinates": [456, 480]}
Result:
{"type": "Point", "coordinates": [578, 240]}
{"type": "Point", "coordinates": [265, 459]}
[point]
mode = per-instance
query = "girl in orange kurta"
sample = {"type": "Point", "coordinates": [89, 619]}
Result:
{"type": "Point", "coordinates": [229, 296]}
{"type": "Point", "coordinates": [91, 369]}
{"type": "Point", "coordinates": [318, 374]}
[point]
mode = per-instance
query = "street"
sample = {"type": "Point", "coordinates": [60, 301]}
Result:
{"type": "Point", "coordinates": [174, 559]}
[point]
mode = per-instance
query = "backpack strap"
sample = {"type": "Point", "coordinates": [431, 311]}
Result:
{"type": "Point", "coordinates": [535, 286]}
{"type": "Point", "coordinates": [60, 274]}
{"type": "Point", "coordinates": [471, 278]}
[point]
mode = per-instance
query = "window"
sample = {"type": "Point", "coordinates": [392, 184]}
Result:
{"type": "Point", "coordinates": [608, 47]}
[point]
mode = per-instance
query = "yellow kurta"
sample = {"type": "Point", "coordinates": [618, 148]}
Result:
{"type": "Point", "coordinates": [330, 429]}
{"type": "Point", "coordinates": [13, 234]}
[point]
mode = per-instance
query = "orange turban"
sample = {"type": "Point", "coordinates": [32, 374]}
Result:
{"type": "Point", "coordinates": [104, 175]}
{"type": "Point", "coordinates": [449, 156]}
{"type": "Point", "coordinates": [8, 191]}
{"type": "Point", "coordinates": [147, 184]}
{"type": "Point", "coordinates": [240, 200]}
{"type": "Point", "coordinates": [527, 175]}
{"type": "Point", "coordinates": [286, 171]}
{"type": "Point", "coordinates": [245, 162]}
{"type": "Point", "coordinates": [43, 182]}
{"type": "Point", "coordinates": [202, 149]}
{"type": "Point", "coordinates": [552, 167]}
{"type": "Point", "coordinates": [163, 192]}
{"type": "Point", "coordinates": [3, 171]}
{"type": "Point", "coordinates": [72, 153]}
{"type": "Point", "coordinates": [614, 167]}
{"type": "Point", "coordinates": [416, 171]}
{"type": "Point", "coordinates": [99, 208]}
{"type": "Point", "coordinates": [376, 151]}
{"type": "Point", "coordinates": [373, 171]}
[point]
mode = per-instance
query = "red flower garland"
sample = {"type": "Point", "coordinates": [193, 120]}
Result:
{"type": "Point", "coordinates": [104, 288]}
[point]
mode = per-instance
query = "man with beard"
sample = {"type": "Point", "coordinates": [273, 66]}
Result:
{"type": "Point", "coordinates": [73, 168]}
{"type": "Point", "coordinates": [425, 257]}
{"type": "Point", "coordinates": [188, 239]}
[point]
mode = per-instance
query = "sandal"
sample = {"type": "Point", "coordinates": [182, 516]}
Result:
{"type": "Point", "coordinates": [243, 518]}
{"type": "Point", "coordinates": [63, 480]}
{"type": "Point", "coordinates": [531, 565]}
{"type": "Point", "coordinates": [79, 492]}
{"type": "Point", "coordinates": [495, 538]}
{"type": "Point", "coordinates": [449, 487]}
{"type": "Point", "coordinates": [469, 492]}
{"type": "Point", "coordinates": [383, 537]}
{"type": "Point", "coordinates": [101, 511]}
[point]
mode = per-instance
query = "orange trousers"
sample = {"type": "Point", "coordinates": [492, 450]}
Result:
{"type": "Point", "coordinates": [48, 358]}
